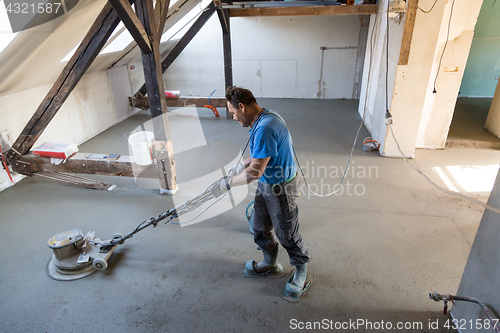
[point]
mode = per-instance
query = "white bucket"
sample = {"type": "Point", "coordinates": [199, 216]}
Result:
{"type": "Point", "coordinates": [142, 145]}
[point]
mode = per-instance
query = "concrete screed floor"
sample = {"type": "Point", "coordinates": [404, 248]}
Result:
{"type": "Point", "coordinates": [377, 249]}
{"type": "Point", "coordinates": [467, 126]}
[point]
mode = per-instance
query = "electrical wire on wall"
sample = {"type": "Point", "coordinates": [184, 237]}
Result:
{"type": "Point", "coordinates": [424, 11]}
{"type": "Point", "coordinates": [458, 194]}
{"type": "Point", "coordinates": [444, 48]}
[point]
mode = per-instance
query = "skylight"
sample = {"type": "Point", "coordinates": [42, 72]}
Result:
{"type": "Point", "coordinates": [178, 29]}
{"type": "Point", "coordinates": [6, 34]}
{"type": "Point", "coordinates": [119, 28]}
{"type": "Point", "coordinates": [121, 37]}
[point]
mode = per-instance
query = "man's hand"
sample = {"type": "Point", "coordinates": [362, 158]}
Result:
{"type": "Point", "coordinates": [224, 183]}
{"type": "Point", "coordinates": [253, 172]}
{"type": "Point", "coordinates": [236, 169]}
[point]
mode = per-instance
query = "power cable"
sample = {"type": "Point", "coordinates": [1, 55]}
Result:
{"type": "Point", "coordinates": [357, 133]}
{"type": "Point", "coordinates": [458, 194]}
{"type": "Point", "coordinates": [444, 48]}
{"type": "Point", "coordinates": [424, 11]}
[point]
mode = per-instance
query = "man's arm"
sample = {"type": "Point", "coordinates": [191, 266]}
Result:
{"type": "Point", "coordinates": [254, 170]}
{"type": "Point", "coordinates": [247, 161]}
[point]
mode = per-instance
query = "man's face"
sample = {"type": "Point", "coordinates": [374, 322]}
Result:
{"type": "Point", "coordinates": [238, 114]}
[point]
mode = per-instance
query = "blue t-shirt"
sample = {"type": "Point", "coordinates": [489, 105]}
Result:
{"type": "Point", "coordinates": [272, 139]}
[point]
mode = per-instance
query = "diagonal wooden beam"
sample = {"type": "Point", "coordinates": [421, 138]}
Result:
{"type": "Point", "coordinates": [181, 44]}
{"type": "Point", "coordinates": [132, 23]}
{"type": "Point", "coordinates": [85, 54]}
{"type": "Point", "coordinates": [161, 13]}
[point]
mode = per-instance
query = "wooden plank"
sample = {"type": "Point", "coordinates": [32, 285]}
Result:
{"type": "Point", "coordinates": [411, 13]}
{"type": "Point", "coordinates": [132, 23]}
{"type": "Point", "coordinates": [306, 10]}
{"type": "Point", "coordinates": [161, 13]}
{"type": "Point", "coordinates": [196, 101]}
{"type": "Point", "coordinates": [153, 77]}
{"type": "Point", "coordinates": [228, 62]}
{"type": "Point", "coordinates": [182, 43]}
{"type": "Point", "coordinates": [85, 54]}
{"type": "Point", "coordinates": [142, 102]}
{"type": "Point", "coordinates": [79, 163]}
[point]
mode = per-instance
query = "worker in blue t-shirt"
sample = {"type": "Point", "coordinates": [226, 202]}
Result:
{"type": "Point", "coordinates": [276, 211]}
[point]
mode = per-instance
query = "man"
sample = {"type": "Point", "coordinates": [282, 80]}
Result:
{"type": "Point", "coordinates": [276, 212]}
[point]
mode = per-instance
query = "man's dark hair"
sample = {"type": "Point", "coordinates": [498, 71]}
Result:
{"type": "Point", "coordinates": [236, 95]}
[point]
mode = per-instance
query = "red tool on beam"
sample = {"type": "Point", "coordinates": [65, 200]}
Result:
{"type": "Point", "coordinates": [5, 165]}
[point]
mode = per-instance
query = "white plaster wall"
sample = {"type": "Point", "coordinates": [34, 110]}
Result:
{"type": "Point", "coordinates": [438, 107]}
{"type": "Point", "coordinates": [122, 90]}
{"type": "Point", "coordinates": [272, 56]}
{"type": "Point", "coordinates": [493, 120]}
{"type": "Point", "coordinates": [421, 118]}
{"type": "Point", "coordinates": [88, 111]}
{"type": "Point", "coordinates": [412, 81]}
{"type": "Point", "coordinates": [372, 104]}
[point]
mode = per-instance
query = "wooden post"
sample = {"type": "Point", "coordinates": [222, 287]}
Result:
{"type": "Point", "coordinates": [156, 97]}
{"type": "Point", "coordinates": [228, 63]}
{"type": "Point", "coordinates": [161, 13]}
{"type": "Point", "coordinates": [411, 13]}
{"type": "Point", "coordinates": [88, 50]}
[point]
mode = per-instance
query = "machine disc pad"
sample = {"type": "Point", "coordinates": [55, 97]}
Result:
{"type": "Point", "coordinates": [68, 274]}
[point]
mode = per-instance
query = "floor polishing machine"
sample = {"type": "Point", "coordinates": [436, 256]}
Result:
{"type": "Point", "coordinates": [75, 256]}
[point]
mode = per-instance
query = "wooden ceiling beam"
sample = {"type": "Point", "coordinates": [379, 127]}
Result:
{"type": "Point", "coordinates": [134, 26]}
{"type": "Point", "coordinates": [223, 17]}
{"type": "Point", "coordinates": [306, 10]}
{"type": "Point", "coordinates": [142, 102]}
{"type": "Point", "coordinates": [161, 13]}
{"type": "Point", "coordinates": [81, 60]}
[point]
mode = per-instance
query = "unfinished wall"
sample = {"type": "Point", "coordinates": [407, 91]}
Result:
{"type": "Point", "coordinates": [372, 104]}
{"type": "Point", "coordinates": [483, 66]}
{"type": "Point", "coordinates": [88, 111]}
{"type": "Point", "coordinates": [272, 56]}
{"type": "Point", "coordinates": [439, 107]}
{"type": "Point", "coordinates": [421, 117]}
{"type": "Point", "coordinates": [482, 271]}
{"type": "Point", "coordinates": [493, 120]}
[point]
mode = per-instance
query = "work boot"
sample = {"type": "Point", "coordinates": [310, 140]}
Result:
{"type": "Point", "coordinates": [268, 263]}
{"type": "Point", "coordinates": [295, 286]}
